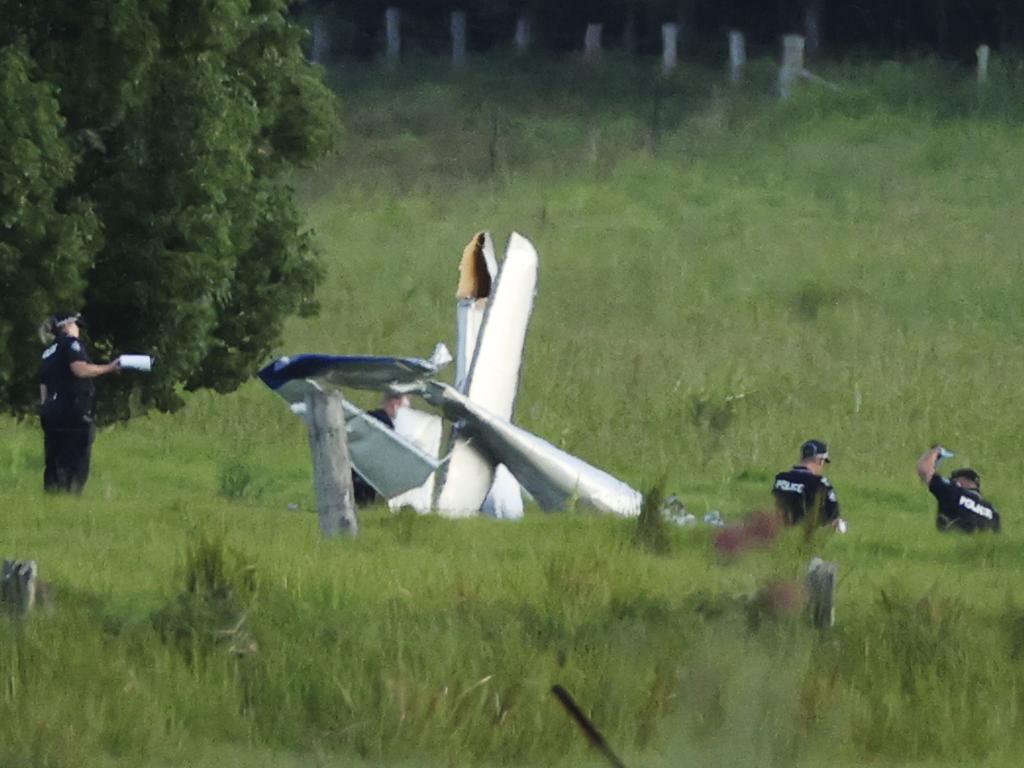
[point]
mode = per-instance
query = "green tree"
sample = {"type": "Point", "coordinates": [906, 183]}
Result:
{"type": "Point", "coordinates": [187, 118]}
{"type": "Point", "coordinates": [47, 239]}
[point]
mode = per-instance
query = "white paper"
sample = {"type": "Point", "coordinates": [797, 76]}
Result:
{"type": "Point", "coordinates": [136, 362]}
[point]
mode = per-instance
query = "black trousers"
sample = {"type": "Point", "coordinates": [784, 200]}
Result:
{"type": "Point", "coordinates": [364, 492]}
{"type": "Point", "coordinates": [67, 458]}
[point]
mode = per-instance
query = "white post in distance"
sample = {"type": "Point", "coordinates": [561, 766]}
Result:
{"type": "Point", "coordinates": [320, 49]}
{"type": "Point", "coordinates": [332, 469]}
{"type": "Point", "coordinates": [393, 31]}
{"type": "Point", "coordinates": [669, 47]}
{"type": "Point", "coordinates": [983, 53]}
{"type": "Point", "coordinates": [458, 39]}
{"type": "Point", "coordinates": [592, 41]}
{"type": "Point", "coordinates": [737, 56]}
{"type": "Point", "coordinates": [792, 63]}
{"type": "Point", "coordinates": [522, 38]}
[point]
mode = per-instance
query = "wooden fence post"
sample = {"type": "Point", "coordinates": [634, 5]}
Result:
{"type": "Point", "coordinates": [821, 592]}
{"type": "Point", "coordinates": [983, 54]}
{"type": "Point", "coordinates": [737, 56]}
{"type": "Point", "coordinates": [669, 46]}
{"type": "Point", "coordinates": [522, 39]}
{"type": "Point", "coordinates": [332, 470]}
{"type": "Point", "coordinates": [458, 39]}
{"type": "Point", "coordinates": [320, 50]}
{"type": "Point", "coordinates": [392, 27]}
{"type": "Point", "coordinates": [792, 63]}
{"type": "Point", "coordinates": [592, 41]}
{"type": "Point", "coordinates": [18, 585]}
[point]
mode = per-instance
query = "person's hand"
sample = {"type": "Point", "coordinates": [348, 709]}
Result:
{"type": "Point", "coordinates": [115, 365]}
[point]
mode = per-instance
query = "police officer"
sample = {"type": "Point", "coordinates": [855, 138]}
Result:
{"type": "Point", "coordinates": [67, 404]}
{"type": "Point", "coordinates": [961, 505]}
{"type": "Point", "coordinates": [390, 404]}
{"type": "Point", "coordinates": [804, 491]}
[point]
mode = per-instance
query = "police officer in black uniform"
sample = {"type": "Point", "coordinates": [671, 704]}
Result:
{"type": "Point", "coordinates": [804, 491]}
{"type": "Point", "coordinates": [67, 404]}
{"type": "Point", "coordinates": [961, 505]}
{"type": "Point", "coordinates": [390, 403]}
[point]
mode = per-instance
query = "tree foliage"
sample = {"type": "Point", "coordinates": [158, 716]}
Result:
{"type": "Point", "coordinates": [170, 128]}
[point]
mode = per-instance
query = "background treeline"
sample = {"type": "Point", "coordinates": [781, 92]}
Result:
{"type": "Point", "coordinates": [952, 28]}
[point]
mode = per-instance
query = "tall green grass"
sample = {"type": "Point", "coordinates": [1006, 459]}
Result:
{"type": "Point", "coordinates": [722, 276]}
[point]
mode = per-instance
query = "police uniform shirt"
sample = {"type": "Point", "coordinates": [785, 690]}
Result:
{"type": "Point", "coordinates": [961, 508]}
{"type": "Point", "coordinates": [69, 399]}
{"type": "Point", "coordinates": [796, 492]}
{"type": "Point", "coordinates": [382, 416]}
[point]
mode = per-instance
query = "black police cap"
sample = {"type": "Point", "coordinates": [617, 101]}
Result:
{"type": "Point", "coordinates": [812, 449]}
{"type": "Point", "coordinates": [968, 474]}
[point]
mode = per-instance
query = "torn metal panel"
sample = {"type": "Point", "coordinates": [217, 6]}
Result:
{"type": "Point", "coordinates": [424, 431]}
{"type": "Point", "coordinates": [390, 462]}
{"type": "Point", "coordinates": [477, 268]}
{"type": "Point", "coordinates": [356, 371]}
{"type": "Point", "coordinates": [387, 460]}
{"type": "Point", "coordinates": [493, 378]}
{"type": "Point", "coordinates": [553, 477]}
{"type": "Point", "coordinates": [477, 271]}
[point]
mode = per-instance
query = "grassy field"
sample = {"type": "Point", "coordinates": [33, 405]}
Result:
{"type": "Point", "coordinates": [722, 276]}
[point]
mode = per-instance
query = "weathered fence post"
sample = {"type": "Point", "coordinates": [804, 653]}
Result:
{"type": "Point", "coordinates": [522, 39]}
{"type": "Point", "coordinates": [592, 41]}
{"type": "Point", "coordinates": [737, 56]}
{"type": "Point", "coordinates": [821, 592]}
{"type": "Point", "coordinates": [983, 54]}
{"type": "Point", "coordinates": [18, 585]}
{"type": "Point", "coordinates": [320, 50]}
{"type": "Point", "coordinates": [393, 31]}
{"type": "Point", "coordinates": [669, 46]}
{"type": "Point", "coordinates": [792, 63]}
{"type": "Point", "coordinates": [332, 470]}
{"type": "Point", "coordinates": [458, 39]}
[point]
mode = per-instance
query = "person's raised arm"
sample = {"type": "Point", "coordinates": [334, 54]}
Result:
{"type": "Point", "coordinates": [84, 370]}
{"type": "Point", "coordinates": [926, 464]}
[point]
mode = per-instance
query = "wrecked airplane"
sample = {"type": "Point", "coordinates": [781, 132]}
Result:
{"type": "Point", "coordinates": [487, 461]}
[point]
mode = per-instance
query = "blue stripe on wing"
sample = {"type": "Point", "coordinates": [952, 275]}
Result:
{"type": "Point", "coordinates": [311, 366]}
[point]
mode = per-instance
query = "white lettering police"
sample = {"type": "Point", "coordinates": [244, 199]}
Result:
{"type": "Point", "coordinates": [979, 509]}
{"type": "Point", "coordinates": [785, 485]}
